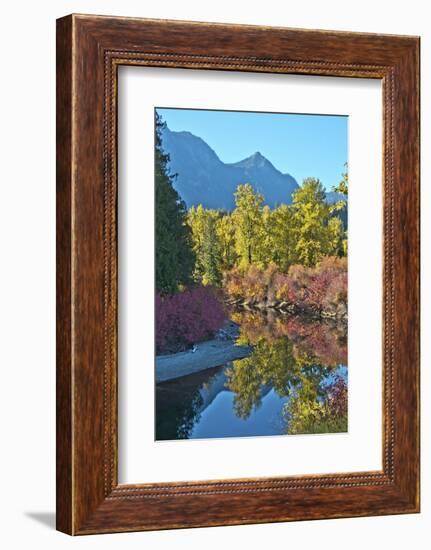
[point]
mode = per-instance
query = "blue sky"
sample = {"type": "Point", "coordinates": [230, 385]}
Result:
{"type": "Point", "coordinates": [302, 145]}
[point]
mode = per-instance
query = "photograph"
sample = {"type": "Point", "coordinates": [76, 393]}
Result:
{"type": "Point", "coordinates": [214, 235]}
{"type": "Point", "coordinates": [251, 273]}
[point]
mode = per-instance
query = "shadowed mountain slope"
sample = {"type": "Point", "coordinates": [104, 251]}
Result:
{"type": "Point", "coordinates": [202, 178]}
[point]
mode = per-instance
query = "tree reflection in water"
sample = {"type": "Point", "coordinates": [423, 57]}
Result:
{"type": "Point", "coordinates": [299, 358]}
{"type": "Point", "coordinates": [296, 373]}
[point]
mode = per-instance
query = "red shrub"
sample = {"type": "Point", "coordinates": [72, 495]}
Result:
{"type": "Point", "coordinates": [186, 318]}
{"type": "Point", "coordinates": [337, 290]}
{"type": "Point", "coordinates": [322, 288]}
{"type": "Point", "coordinates": [249, 284]}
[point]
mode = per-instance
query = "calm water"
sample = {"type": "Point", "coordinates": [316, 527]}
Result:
{"type": "Point", "coordinates": [294, 381]}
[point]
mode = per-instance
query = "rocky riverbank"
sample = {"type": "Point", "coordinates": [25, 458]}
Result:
{"type": "Point", "coordinates": [337, 312]}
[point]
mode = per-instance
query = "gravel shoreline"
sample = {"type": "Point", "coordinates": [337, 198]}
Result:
{"type": "Point", "coordinates": [212, 353]}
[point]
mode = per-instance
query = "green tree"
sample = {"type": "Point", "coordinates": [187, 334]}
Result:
{"type": "Point", "coordinates": [337, 237]}
{"type": "Point", "coordinates": [174, 256]}
{"type": "Point", "coordinates": [315, 237]}
{"type": "Point", "coordinates": [225, 230]}
{"type": "Point", "coordinates": [272, 364]}
{"type": "Point", "coordinates": [343, 185]}
{"type": "Point", "coordinates": [340, 207]}
{"type": "Point", "coordinates": [247, 217]}
{"type": "Point", "coordinates": [311, 411]}
{"type": "Point", "coordinates": [284, 234]}
{"type": "Point", "coordinates": [264, 248]}
{"type": "Point", "coordinates": [196, 223]}
{"type": "Point", "coordinates": [206, 246]}
{"type": "Point", "coordinates": [211, 258]}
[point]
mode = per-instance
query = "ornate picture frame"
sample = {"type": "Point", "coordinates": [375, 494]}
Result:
{"type": "Point", "coordinates": [89, 51]}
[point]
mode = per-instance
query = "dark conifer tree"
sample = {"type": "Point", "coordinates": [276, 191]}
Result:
{"type": "Point", "coordinates": [174, 256]}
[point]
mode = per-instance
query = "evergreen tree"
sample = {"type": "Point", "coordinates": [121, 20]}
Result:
{"type": "Point", "coordinates": [174, 257]}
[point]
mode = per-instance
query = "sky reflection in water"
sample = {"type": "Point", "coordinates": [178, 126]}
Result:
{"type": "Point", "coordinates": [295, 381]}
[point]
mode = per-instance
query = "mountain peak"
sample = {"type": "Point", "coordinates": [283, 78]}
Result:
{"type": "Point", "coordinates": [256, 157]}
{"type": "Point", "coordinates": [202, 178]}
{"type": "Point", "coordinates": [256, 160]}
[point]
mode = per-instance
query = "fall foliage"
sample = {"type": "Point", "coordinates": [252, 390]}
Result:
{"type": "Point", "coordinates": [291, 257]}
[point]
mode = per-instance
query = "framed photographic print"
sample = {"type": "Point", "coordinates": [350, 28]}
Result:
{"type": "Point", "coordinates": [237, 274]}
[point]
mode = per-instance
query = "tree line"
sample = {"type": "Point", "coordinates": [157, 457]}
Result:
{"type": "Point", "coordinates": [201, 245]}
{"type": "Point", "coordinates": [254, 234]}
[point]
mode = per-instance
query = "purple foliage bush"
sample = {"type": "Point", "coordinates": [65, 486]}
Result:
{"type": "Point", "coordinates": [187, 317]}
{"type": "Point", "coordinates": [323, 287]}
{"type": "Point", "coordinates": [337, 396]}
{"type": "Point", "coordinates": [314, 289]}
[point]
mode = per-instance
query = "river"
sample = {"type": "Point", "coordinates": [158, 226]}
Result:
{"type": "Point", "coordinates": [294, 381]}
